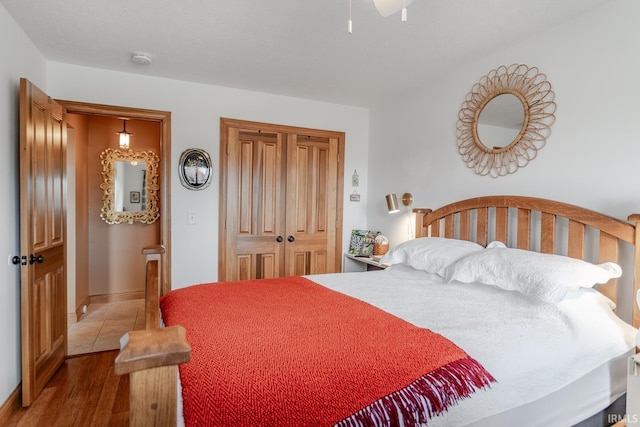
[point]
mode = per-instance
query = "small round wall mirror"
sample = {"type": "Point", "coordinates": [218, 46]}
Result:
{"type": "Point", "coordinates": [195, 169]}
{"type": "Point", "coordinates": [505, 120]}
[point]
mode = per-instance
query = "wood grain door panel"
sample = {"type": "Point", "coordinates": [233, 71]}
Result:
{"type": "Point", "coordinates": [42, 230]}
{"type": "Point", "coordinates": [280, 200]}
{"type": "Point", "coordinates": [312, 179]}
{"type": "Point", "coordinates": [254, 205]}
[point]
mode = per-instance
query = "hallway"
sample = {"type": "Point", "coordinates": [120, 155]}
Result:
{"type": "Point", "coordinates": [102, 326]}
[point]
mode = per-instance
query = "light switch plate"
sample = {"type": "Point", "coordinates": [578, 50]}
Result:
{"type": "Point", "coordinates": [191, 218]}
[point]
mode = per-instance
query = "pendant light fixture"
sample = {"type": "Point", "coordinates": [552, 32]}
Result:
{"type": "Point", "coordinates": [124, 136]}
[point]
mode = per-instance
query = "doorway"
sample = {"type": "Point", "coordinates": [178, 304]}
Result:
{"type": "Point", "coordinates": [107, 309]}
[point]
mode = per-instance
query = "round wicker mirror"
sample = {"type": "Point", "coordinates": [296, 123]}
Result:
{"type": "Point", "coordinates": [505, 120]}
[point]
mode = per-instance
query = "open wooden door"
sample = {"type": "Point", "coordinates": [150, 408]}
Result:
{"type": "Point", "coordinates": [42, 238]}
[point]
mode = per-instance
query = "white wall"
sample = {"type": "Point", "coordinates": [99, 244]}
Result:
{"type": "Point", "coordinates": [195, 117]}
{"type": "Point", "coordinates": [19, 59]}
{"type": "Point", "coordinates": [591, 158]}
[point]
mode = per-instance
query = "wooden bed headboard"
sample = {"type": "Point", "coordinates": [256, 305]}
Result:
{"type": "Point", "coordinates": [541, 225]}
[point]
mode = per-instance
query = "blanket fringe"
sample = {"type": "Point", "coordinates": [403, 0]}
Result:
{"type": "Point", "coordinates": [426, 397]}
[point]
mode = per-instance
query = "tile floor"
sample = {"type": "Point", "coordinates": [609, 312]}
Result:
{"type": "Point", "coordinates": [102, 326]}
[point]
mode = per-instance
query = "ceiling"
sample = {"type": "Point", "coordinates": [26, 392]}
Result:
{"type": "Point", "coordinates": [297, 48]}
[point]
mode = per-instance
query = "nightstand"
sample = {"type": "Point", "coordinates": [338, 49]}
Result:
{"type": "Point", "coordinates": [358, 263]}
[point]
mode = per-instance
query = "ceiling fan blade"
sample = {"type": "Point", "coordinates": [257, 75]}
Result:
{"type": "Point", "coordinates": [389, 7]}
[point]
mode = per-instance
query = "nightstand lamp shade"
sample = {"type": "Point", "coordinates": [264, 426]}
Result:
{"type": "Point", "coordinates": [392, 201]}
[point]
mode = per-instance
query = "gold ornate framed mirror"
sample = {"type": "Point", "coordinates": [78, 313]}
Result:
{"type": "Point", "coordinates": [130, 186]}
{"type": "Point", "coordinates": [505, 120]}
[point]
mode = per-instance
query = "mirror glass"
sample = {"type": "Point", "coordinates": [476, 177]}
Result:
{"type": "Point", "coordinates": [500, 121]}
{"type": "Point", "coordinates": [130, 186]}
{"type": "Point", "coordinates": [130, 180]}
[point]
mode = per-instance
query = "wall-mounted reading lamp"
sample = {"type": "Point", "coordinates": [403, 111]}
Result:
{"type": "Point", "coordinates": [392, 201]}
{"type": "Point", "coordinates": [393, 207]}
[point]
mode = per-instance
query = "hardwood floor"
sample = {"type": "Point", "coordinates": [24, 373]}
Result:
{"type": "Point", "coordinates": [84, 392]}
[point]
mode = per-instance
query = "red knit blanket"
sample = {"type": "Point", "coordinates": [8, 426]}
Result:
{"type": "Point", "coordinates": [289, 352]}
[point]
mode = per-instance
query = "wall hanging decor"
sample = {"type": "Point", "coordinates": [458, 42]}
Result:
{"type": "Point", "coordinates": [195, 169]}
{"type": "Point", "coordinates": [130, 186]}
{"type": "Point", "coordinates": [505, 120]}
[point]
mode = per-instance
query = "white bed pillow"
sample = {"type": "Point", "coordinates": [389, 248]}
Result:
{"type": "Point", "coordinates": [546, 276]}
{"type": "Point", "coordinates": [431, 254]}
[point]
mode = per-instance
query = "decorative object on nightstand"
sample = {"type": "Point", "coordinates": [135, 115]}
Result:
{"type": "Point", "coordinates": [361, 243]}
{"type": "Point", "coordinates": [380, 245]}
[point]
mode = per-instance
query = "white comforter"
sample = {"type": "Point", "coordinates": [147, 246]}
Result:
{"type": "Point", "coordinates": [532, 348]}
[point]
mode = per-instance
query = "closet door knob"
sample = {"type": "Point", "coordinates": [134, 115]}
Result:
{"type": "Point", "coordinates": [279, 239]}
{"type": "Point", "coordinates": [291, 239]}
{"type": "Point", "coordinates": [33, 259]}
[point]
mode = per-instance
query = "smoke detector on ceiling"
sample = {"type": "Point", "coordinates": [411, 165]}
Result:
{"type": "Point", "coordinates": [141, 58]}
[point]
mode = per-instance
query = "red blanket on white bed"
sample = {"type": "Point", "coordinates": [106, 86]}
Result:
{"type": "Point", "coordinates": [289, 352]}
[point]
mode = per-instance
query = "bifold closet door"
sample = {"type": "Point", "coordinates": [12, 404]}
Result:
{"type": "Point", "coordinates": [311, 205]}
{"type": "Point", "coordinates": [280, 201]}
{"type": "Point", "coordinates": [255, 206]}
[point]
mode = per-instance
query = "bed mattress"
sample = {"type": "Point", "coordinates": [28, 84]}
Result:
{"type": "Point", "coordinates": [555, 364]}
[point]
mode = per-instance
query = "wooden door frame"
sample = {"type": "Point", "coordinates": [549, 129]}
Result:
{"type": "Point", "coordinates": [164, 119]}
{"type": "Point", "coordinates": [225, 125]}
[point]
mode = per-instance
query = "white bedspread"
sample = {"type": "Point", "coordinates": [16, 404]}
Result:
{"type": "Point", "coordinates": [532, 348]}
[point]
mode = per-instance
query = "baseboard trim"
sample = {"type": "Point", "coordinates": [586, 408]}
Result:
{"type": "Point", "coordinates": [123, 296]}
{"type": "Point", "coordinates": [11, 406]}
